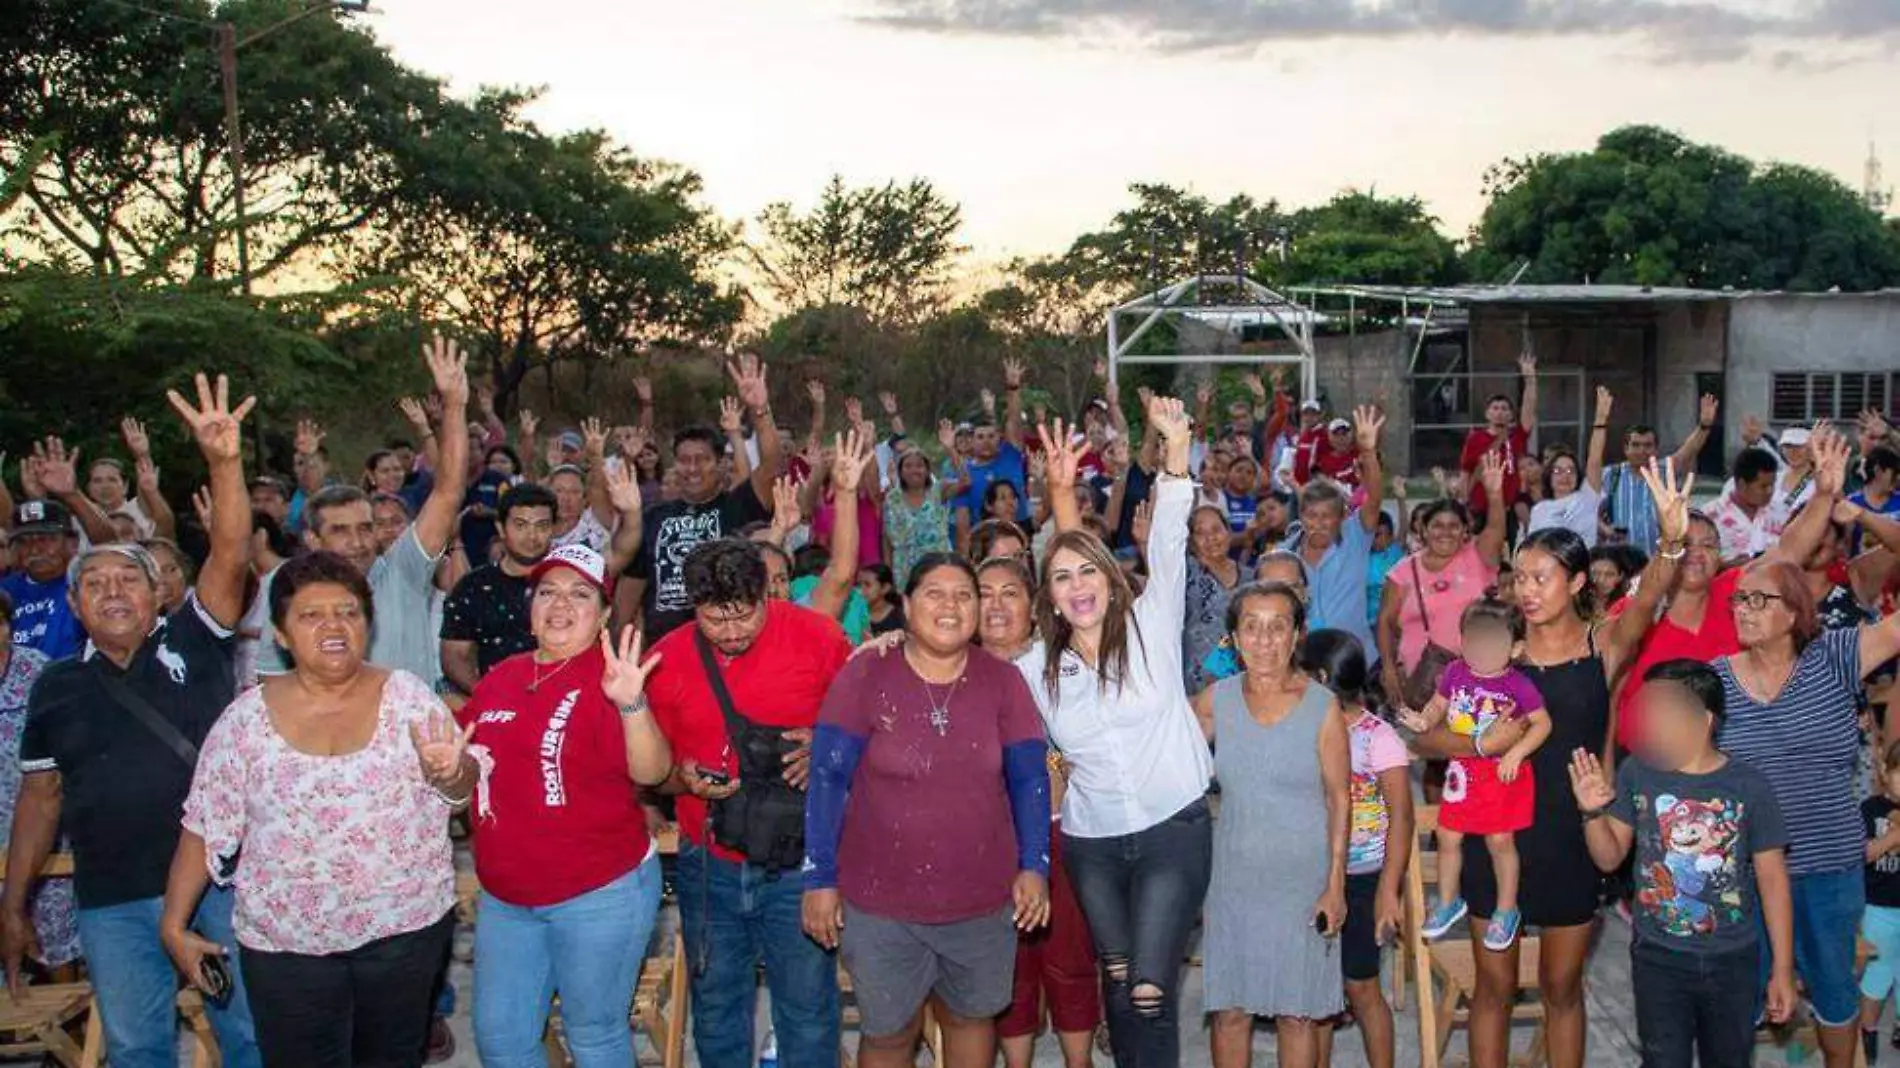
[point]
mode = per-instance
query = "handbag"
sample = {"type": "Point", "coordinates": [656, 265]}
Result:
{"type": "Point", "coordinates": [1420, 684]}
{"type": "Point", "coordinates": [765, 818]}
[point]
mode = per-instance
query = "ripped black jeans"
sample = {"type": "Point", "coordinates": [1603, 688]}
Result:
{"type": "Point", "coordinates": [1142, 895]}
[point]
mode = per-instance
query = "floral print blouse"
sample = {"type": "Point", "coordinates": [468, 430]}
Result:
{"type": "Point", "coordinates": [333, 852]}
{"type": "Point", "coordinates": [55, 910]}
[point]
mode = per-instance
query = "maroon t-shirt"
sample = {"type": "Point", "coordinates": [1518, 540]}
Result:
{"type": "Point", "coordinates": [556, 814]}
{"type": "Point", "coordinates": [928, 835]}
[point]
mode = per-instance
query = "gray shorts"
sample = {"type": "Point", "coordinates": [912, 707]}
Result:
{"type": "Point", "coordinates": [895, 966]}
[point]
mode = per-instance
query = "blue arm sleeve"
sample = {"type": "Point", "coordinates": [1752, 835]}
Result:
{"type": "Point", "coordinates": [1026, 774]}
{"type": "Point", "coordinates": [834, 760]}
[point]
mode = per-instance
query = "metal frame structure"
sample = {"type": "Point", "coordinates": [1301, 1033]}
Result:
{"type": "Point", "coordinates": [1295, 320]}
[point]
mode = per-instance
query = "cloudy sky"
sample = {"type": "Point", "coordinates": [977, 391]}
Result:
{"type": "Point", "coordinates": [1036, 114]}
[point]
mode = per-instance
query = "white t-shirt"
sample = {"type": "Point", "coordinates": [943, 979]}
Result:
{"type": "Point", "coordinates": [1577, 512]}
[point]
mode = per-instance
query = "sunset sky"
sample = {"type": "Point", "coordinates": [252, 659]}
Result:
{"type": "Point", "coordinates": [1036, 114]}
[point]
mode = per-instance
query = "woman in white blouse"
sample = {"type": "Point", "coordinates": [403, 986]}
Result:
{"type": "Point", "coordinates": [1107, 676]}
{"type": "Point", "coordinates": [323, 796]}
{"type": "Point", "coordinates": [1571, 496]}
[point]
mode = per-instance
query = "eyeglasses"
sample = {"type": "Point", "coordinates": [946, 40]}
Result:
{"type": "Point", "coordinates": [1753, 600]}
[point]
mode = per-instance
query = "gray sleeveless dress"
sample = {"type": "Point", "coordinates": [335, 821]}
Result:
{"type": "Point", "coordinates": [1270, 860]}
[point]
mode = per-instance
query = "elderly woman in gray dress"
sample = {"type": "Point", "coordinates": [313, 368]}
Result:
{"type": "Point", "coordinates": [1277, 900]}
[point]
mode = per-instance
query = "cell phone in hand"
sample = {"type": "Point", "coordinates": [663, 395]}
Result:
{"type": "Point", "coordinates": [1319, 922]}
{"type": "Point", "coordinates": [714, 778]}
{"type": "Point", "coordinates": [217, 978]}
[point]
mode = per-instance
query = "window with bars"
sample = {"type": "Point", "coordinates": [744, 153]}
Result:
{"type": "Point", "coordinates": [1802, 397]}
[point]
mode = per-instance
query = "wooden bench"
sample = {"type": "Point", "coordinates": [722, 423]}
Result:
{"type": "Point", "coordinates": [1446, 971]}
{"type": "Point", "coordinates": [38, 1023]}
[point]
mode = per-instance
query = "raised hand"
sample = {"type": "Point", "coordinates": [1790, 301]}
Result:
{"type": "Point", "coordinates": [147, 474]}
{"type": "Point", "coordinates": [1101, 369]}
{"type": "Point", "coordinates": [413, 411]}
{"type": "Point", "coordinates": [1167, 417]}
{"type": "Point", "coordinates": [1831, 453]}
{"type": "Point", "coordinates": [1203, 394]}
{"type": "Point", "coordinates": [816, 391]}
{"type": "Point", "coordinates": [630, 440]}
{"type": "Point", "coordinates": [947, 437]}
{"type": "Point", "coordinates": [135, 437]}
{"type": "Point", "coordinates": [1588, 781]}
{"type": "Point", "coordinates": [748, 375]}
{"type": "Point", "coordinates": [56, 470]}
{"type": "Point", "coordinates": [853, 453]}
{"type": "Point", "coordinates": [440, 747]}
{"type": "Point", "coordinates": [1254, 386]}
{"type": "Point", "coordinates": [554, 454]}
{"type": "Point", "coordinates": [1492, 474]}
{"type": "Point", "coordinates": [1527, 362]}
{"type": "Point", "coordinates": [1706, 410]}
{"type": "Point", "coordinates": [594, 438]}
{"type": "Point", "coordinates": [988, 399]}
{"type": "Point", "coordinates": [448, 368]}
{"type": "Point", "coordinates": [731, 415]}
{"type": "Point", "coordinates": [1060, 456]}
{"type": "Point", "coordinates": [1367, 422]}
{"type": "Point", "coordinates": [853, 411]}
{"type": "Point", "coordinates": [201, 504]}
{"type": "Point", "coordinates": [1672, 500]}
{"type": "Point", "coordinates": [214, 422]}
{"type": "Point", "coordinates": [1012, 373]}
{"type": "Point", "coordinates": [623, 490]}
{"type": "Point", "coordinates": [887, 401]}
{"type": "Point", "coordinates": [309, 437]}
{"type": "Point", "coordinates": [1143, 522]}
{"type": "Point", "coordinates": [624, 678]}
{"type": "Point", "coordinates": [786, 514]}
{"type": "Point", "coordinates": [485, 397]}
{"type": "Point", "coordinates": [643, 389]}
{"type": "Point", "coordinates": [1604, 403]}
{"type": "Point", "coordinates": [529, 424]}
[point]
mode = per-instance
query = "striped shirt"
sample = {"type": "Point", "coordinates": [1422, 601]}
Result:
{"type": "Point", "coordinates": [1806, 741]}
{"type": "Point", "coordinates": [1631, 506]}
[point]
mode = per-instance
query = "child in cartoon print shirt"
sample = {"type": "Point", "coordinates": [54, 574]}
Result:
{"type": "Point", "coordinates": [1711, 873]}
{"type": "Point", "coordinates": [1491, 795]}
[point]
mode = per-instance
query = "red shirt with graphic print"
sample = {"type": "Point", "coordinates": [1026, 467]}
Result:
{"type": "Point", "coordinates": [556, 814]}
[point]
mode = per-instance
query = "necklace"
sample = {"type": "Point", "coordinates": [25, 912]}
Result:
{"type": "Point", "coordinates": [939, 711]}
{"type": "Point", "coordinates": [540, 678]}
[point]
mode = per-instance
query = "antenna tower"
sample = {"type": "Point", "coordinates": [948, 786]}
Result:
{"type": "Point", "coordinates": [1878, 196]}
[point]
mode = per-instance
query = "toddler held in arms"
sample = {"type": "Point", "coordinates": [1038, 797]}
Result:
{"type": "Point", "coordinates": [1491, 795]}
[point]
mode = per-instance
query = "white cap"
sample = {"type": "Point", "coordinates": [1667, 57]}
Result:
{"type": "Point", "coordinates": [578, 558]}
{"type": "Point", "coordinates": [1339, 424]}
{"type": "Point", "coordinates": [1794, 437]}
{"type": "Point", "coordinates": [1310, 406]}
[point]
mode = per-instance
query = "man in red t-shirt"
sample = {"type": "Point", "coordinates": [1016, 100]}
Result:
{"type": "Point", "coordinates": [776, 661]}
{"type": "Point", "coordinates": [1507, 429]}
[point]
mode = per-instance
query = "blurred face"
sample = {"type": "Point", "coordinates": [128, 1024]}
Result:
{"type": "Point", "coordinates": [1675, 725]}
{"type": "Point", "coordinates": [1003, 607]}
{"type": "Point", "coordinates": [1563, 475]}
{"type": "Point", "coordinates": [1003, 504]}
{"type": "Point", "coordinates": [1756, 492]}
{"type": "Point", "coordinates": [348, 530]}
{"type": "Point", "coordinates": [1079, 589]}
{"type": "Point", "coordinates": [1487, 648]}
{"type": "Point", "coordinates": [565, 613]}
{"type": "Point", "coordinates": [1208, 536]}
{"type": "Point", "coordinates": [570, 497]}
{"type": "Point", "coordinates": [1606, 578]}
{"type": "Point", "coordinates": [1545, 591]}
{"type": "Point", "coordinates": [870, 587]}
{"type": "Point", "coordinates": [325, 630]}
{"type": "Point", "coordinates": [1701, 558]}
{"type": "Point", "coordinates": [391, 521]}
{"type": "Point", "coordinates": [941, 612]}
{"type": "Point", "coordinates": [171, 579]}
{"type": "Point", "coordinates": [1280, 569]}
{"type": "Point", "coordinates": [1445, 534]}
{"type": "Point", "coordinates": [913, 471]}
{"type": "Point", "coordinates": [123, 527]}
{"type": "Point", "coordinates": [43, 556]}
{"type": "Point", "coordinates": [1639, 449]}
{"type": "Point", "coordinates": [1382, 538]}
{"type": "Point", "coordinates": [1276, 512]}
{"type": "Point", "coordinates": [271, 502]}
{"type": "Point", "coordinates": [1266, 634]}
{"type": "Point", "coordinates": [963, 442]}
{"type": "Point", "coordinates": [1242, 475]}
{"type": "Point", "coordinates": [647, 460]}
{"type": "Point", "coordinates": [526, 534]}
{"type": "Point", "coordinates": [1499, 413]}
{"type": "Point", "coordinates": [697, 469]}
{"type": "Point", "coordinates": [1761, 616]}
{"type": "Point", "coordinates": [1008, 545]}
{"type": "Point", "coordinates": [778, 578]}
{"type": "Point", "coordinates": [731, 628]}
{"type": "Point", "coordinates": [1340, 438]}
{"type": "Point", "coordinates": [1530, 472]}
{"type": "Point", "coordinates": [114, 600]}
{"type": "Point", "coordinates": [1240, 415]}
{"type": "Point", "coordinates": [1320, 520]}
{"type": "Point", "coordinates": [1797, 455]}
{"type": "Point", "coordinates": [1309, 418]}
{"type": "Point", "coordinates": [106, 486]}
{"type": "Point", "coordinates": [1214, 468]}
{"type": "Point", "coordinates": [984, 442]}
{"type": "Point", "coordinates": [500, 462]}
{"type": "Point", "coordinates": [387, 475]}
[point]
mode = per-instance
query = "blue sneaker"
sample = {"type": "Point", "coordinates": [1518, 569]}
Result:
{"type": "Point", "coordinates": [1444, 917]}
{"type": "Point", "coordinates": [1502, 931]}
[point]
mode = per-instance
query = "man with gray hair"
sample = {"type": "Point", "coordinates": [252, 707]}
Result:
{"type": "Point", "coordinates": [112, 738]}
{"type": "Point", "coordinates": [1335, 539]}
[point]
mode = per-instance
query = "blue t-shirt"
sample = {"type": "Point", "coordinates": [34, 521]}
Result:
{"type": "Point", "coordinates": [1891, 510]}
{"type": "Point", "coordinates": [1008, 465]}
{"type": "Point", "coordinates": [1240, 511]}
{"type": "Point", "coordinates": [43, 619]}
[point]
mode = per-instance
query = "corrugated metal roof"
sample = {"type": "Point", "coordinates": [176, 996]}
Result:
{"type": "Point", "coordinates": [1537, 294]}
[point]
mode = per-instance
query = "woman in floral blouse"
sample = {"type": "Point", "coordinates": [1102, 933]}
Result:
{"type": "Point", "coordinates": [323, 795]}
{"type": "Point", "coordinates": [55, 912]}
{"type": "Point", "coordinates": [917, 520]}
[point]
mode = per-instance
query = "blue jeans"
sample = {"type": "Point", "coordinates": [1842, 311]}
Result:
{"type": "Point", "coordinates": [1827, 911]}
{"type": "Point", "coordinates": [733, 915]}
{"type": "Point", "coordinates": [137, 985]}
{"type": "Point", "coordinates": [587, 949]}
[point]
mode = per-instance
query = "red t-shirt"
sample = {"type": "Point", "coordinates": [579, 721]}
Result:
{"type": "Point", "coordinates": [1668, 641]}
{"type": "Point", "coordinates": [779, 681]}
{"type": "Point", "coordinates": [557, 814]}
{"type": "Point", "coordinates": [1480, 441]}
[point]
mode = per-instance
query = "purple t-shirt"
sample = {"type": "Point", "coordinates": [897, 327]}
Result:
{"type": "Point", "coordinates": [928, 833]}
{"type": "Point", "coordinates": [1476, 701]}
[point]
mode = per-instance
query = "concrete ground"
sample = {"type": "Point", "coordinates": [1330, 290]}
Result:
{"type": "Point", "coordinates": [1612, 1041]}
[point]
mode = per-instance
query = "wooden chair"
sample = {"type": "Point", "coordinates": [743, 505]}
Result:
{"type": "Point", "coordinates": [39, 1023]}
{"type": "Point", "coordinates": [191, 1008]}
{"type": "Point", "coordinates": [660, 1005]}
{"type": "Point", "coordinates": [1446, 971]}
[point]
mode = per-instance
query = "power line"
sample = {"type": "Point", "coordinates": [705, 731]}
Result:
{"type": "Point", "coordinates": [157, 13]}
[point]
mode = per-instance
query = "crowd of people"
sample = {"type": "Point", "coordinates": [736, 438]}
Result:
{"type": "Point", "coordinates": [996, 720]}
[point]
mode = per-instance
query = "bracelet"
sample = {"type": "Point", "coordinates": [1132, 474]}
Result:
{"type": "Point", "coordinates": [638, 707]}
{"type": "Point", "coordinates": [1589, 814]}
{"type": "Point", "coordinates": [1664, 550]}
{"type": "Point", "coordinates": [1599, 426]}
{"type": "Point", "coordinates": [1706, 426]}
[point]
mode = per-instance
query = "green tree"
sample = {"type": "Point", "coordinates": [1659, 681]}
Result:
{"type": "Point", "coordinates": [1361, 237]}
{"type": "Point", "coordinates": [889, 250]}
{"type": "Point", "coordinates": [1649, 207]}
{"type": "Point", "coordinates": [1170, 233]}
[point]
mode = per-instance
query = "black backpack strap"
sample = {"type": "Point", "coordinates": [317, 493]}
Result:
{"type": "Point", "coordinates": [735, 723]}
{"type": "Point", "coordinates": [152, 719]}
